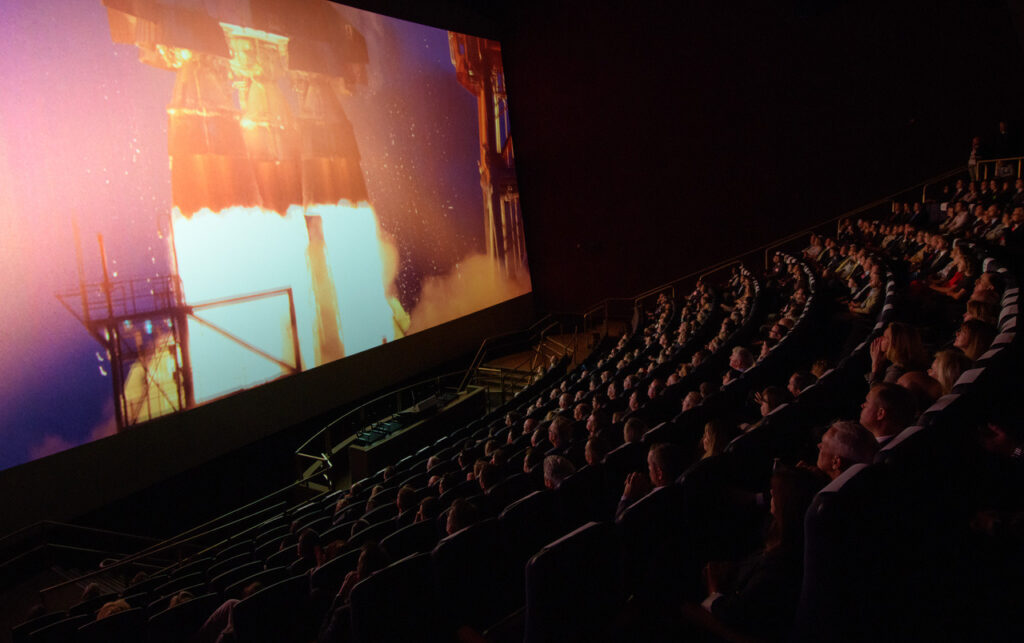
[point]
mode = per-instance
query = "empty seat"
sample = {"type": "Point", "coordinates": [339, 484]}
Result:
{"type": "Point", "coordinates": [397, 604]}
{"type": "Point", "coordinates": [417, 538]}
{"type": "Point", "coordinates": [265, 578]}
{"type": "Point", "coordinates": [60, 631]}
{"type": "Point", "coordinates": [472, 580]}
{"type": "Point", "coordinates": [556, 608]}
{"type": "Point", "coordinates": [275, 614]}
{"type": "Point", "coordinates": [228, 563]}
{"type": "Point", "coordinates": [20, 632]}
{"type": "Point", "coordinates": [220, 582]}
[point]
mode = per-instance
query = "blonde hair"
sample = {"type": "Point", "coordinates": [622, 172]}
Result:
{"type": "Point", "coordinates": [949, 364]}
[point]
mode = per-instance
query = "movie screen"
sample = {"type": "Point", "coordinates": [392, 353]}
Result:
{"type": "Point", "coordinates": [200, 197]}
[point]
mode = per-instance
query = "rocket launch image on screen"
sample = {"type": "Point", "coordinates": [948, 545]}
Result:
{"type": "Point", "coordinates": [200, 197]}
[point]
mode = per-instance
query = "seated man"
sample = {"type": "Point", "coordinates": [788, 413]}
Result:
{"type": "Point", "coordinates": [560, 433]}
{"type": "Point", "coordinates": [665, 463]}
{"type": "Point", "coordinates": [556, 470]}
{"type": "Point", "coordinates": [887, 410]}
{"type": "Point", "coordinates": [844, 444]}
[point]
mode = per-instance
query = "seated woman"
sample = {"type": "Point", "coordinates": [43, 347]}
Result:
{"type": "Point", "coordinates": [983, 310]}
{"type": "Point", "coordinates": [960, 285]}
{"type": "Point", "coordinates": [899, 349]}
{"type": "Point", "coordinates": [974, 337]}
{"type": "Point", "coordinates": [947, 367]}
{"type": "Point", "coordinates": [717, 435]}
{"type": "Point", "coordinates": [758, 597]}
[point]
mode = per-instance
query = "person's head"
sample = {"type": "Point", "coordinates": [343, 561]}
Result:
{"type": "Point", "coordinates": [636, 400]}
{"type": "Point", "coordinates": [599, 421]}
{"type": "Point", "coordinates": [691, 400]}
{"type": "Point", "coordinates": [634, 430]}
{"type": "Point", "coordinates": [707, 389]}
{"type": "Point", "coordinates": [906, 349]}
{"type": "Point", "coordinates": [717, 435]}
{"type": "Point", "coordinates": [556, 470]}
{"type": "Point", "coordinates": [429, 509]}
{"type": "Point", "coordinates": [111, 608]}
{"type": "Point", "coordinates": [564, 401]}
{"type": "Point", "coordinates": [772, 397]}
{"type": "Point", "coordinates": [793, 490]}
{"type": "Point", "coordinates": [490, 475]}
{"type": "Point", "coordinates": [924, 388]}
{"type": "Point", "coordinates": [656, 388]}
{"type": "Point", "coordinates": [741, 359]}
{"type": "Point", "coordinates": [560, 431]}
{"type": "Point", "coordinates": [183, 596]}
{"type": "Point", "coordinates": [992, 281]}
{"type": "Point", "coordinates": [947, 367]}
{"type": "Point", "coordinates": [613, 390]}
{"type": "Point", "coordinates": [372, 558]}
{"type": "Point", "coordinates": [406, 499]}
{"type": "Point", "coordinates": [799, 381]}
{"type": "Point", "coordinates": [432, 462]}
{"type": "Point", "coordinates": [581, 412]}
{"type": "Point", "coordinates": [91, 591]}
{"type": "Point", "coordinates": [532, 458]}
{"type": "Point", "coordinates": [985, 311]}
{"type": "Point", "coordinates": [665, 463]}
{"type": "Point", "coordinates": [844, 444]}
{"type": "Point", "coordinates": [449, 481]}
{"type": "Point", "coordinates": [308, 546]}
{"type": "Point", "coordinates": [887, 410]}
{"type": "Point", "coordinates": [389, 472]}
{"type": "Point", "coordinates": [529, 426]}
{"type": "Point", "coordinates": [974, 337]}
{"type": "Point", "coordinates": [597, 448]}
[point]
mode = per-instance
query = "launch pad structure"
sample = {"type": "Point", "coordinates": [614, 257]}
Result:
{"type": "Point", "coordinates": [142, 324]}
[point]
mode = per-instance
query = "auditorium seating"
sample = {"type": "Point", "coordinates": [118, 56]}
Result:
{"type": "Point", "coordinates": [560, 561]}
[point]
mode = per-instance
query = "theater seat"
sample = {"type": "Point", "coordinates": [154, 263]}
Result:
{"type": "Point", "coordinates": [471, 580]}
{"type": "Point", "coordinates": [397, 604]}
{"type": "Point", "coordinates": [417, 538]}
{"type": "Point", "coordinates": [20, 632]}
{"type": "Point", "coordinates": [61, 631]}
{"type": "Point", "coordinates": [179, 623]}
{"type": "Point", "coordinates": [275, 614]}
{"type": "Point", "coordinates": [557, 607]}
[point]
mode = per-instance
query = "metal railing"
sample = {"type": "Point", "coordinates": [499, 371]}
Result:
{"type": "Point", "coordinates": [313, 458]}
{"type": "Point", "coordinates": [189, 539]}
{"type": "Point", "coordinates": [989, 168]}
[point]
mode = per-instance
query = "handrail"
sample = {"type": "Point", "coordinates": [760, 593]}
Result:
{"type": "Point", "coordinates": [986, 163]}
{"type": "Point", "coordinates": [45, 525]}
{"type": "Point", "coordinates": [437, 379]}
{"type": "Point", "coordinates": [174, 541]}
{"type": "Point", "coordinates": [482, 351]}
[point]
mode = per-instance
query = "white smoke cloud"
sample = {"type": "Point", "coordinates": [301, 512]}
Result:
{"type": "Point", "coordinates": [473, 284]}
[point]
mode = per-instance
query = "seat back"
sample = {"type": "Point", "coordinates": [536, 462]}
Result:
{"type": "Point", "coordinates": [128, 626]}
{"type": "Point", "coordinates": [275, 614]}
{"type": "Point", "coordinates": [417, 538]}
{"type": "Point", "coordinates": [396, 604]}
{"type": "Point", "coordinates": [179, 623]}
{"type": "Point", "coordinates": [473, 580]}
{"type": "Point", "coordinates": [556, 608]}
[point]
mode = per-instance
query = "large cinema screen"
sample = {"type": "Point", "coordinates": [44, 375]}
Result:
{"type": "Point", "coordinates": [202, 196]}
